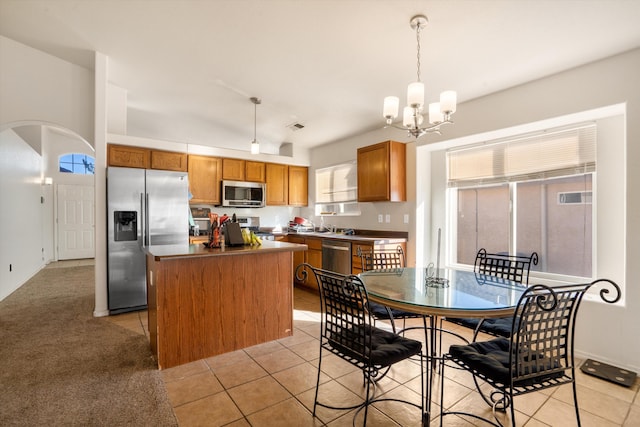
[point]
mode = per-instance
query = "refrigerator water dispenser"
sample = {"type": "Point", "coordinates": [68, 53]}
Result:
{"type": "Point", "coordinates": [125, 226]}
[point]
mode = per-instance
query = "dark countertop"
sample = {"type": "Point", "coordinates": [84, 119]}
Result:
{"type": "Point", "coordinates": [379, 237]}
{"type": "Point", "coordinates": [199, 250]}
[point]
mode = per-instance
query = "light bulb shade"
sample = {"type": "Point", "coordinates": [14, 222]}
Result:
{"type": "Point", "coordinates": [255, 147]}
{"type": "Point", "coordinates": [448, 100]}
{"type": "Point", "coordinates": [407, 117]}
{"type": "Point", "coordinates": [435, 113]}
{"type": "Point", "coordinates": [415, 95]}
{"type": "Point", "coordinates": [390, 108]}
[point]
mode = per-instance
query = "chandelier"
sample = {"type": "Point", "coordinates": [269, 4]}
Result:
{"type": "Point", "coordinates": [255, 145]}
{"type": "Point", "coordinates": [412, 119]}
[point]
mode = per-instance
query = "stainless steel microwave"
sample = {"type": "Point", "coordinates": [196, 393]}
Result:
{"type": "Point", "coordinates": [241, 194]}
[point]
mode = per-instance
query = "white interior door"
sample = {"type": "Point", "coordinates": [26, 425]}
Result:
{"type": "Point", "coordinates": [75, 221]}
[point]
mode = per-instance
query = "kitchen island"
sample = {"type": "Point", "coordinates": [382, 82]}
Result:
{"type": "Point", "coordinates": [203, 302]}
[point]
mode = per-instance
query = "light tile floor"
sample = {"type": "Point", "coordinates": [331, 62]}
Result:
{"type": "Point", "coordinates": [273, 384]}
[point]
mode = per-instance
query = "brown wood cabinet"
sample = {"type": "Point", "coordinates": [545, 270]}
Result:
{"type": "Point", "coordinates": [382, 172]}
{"type": "Point", "coordinates": [128, 157]}
{"type": "Point", "coordinates": [298, 186]}
{"type": "Point", "coordinates": [277, 179]}
{"type": "Point", "coordinates": [145, 158]}
{"type": "Point", "coordinates": [243, 170]}
{"type": "Point", "coordinates": [298, 257]}
{"type": "Point", "coordinates": [286, 185]}
{"type": "Point", "coordinates": [312, 256]}
{"type": "Point", "coordinates": [168, 160]}
{"type": "Point", "coordinates": [205, 304]}
{"type": "Point", "coordinates": [205, 174]}
{"type": "Point", "coordinates": [233, 169]}
{"type": "Point", "coordinates": [254, 171]}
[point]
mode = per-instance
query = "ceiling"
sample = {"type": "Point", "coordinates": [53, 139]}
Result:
{"type": "Point", "coordinates": [190, 67]}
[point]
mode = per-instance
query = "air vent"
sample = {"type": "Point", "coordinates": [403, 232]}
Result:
{"type": "Point", "coordinates": [296, 126]}
{"type": "Point", "coordinates": [575, 198]}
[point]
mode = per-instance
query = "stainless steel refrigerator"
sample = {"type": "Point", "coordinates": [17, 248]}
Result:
{"type": "Point", "coordinates": [144, 208]}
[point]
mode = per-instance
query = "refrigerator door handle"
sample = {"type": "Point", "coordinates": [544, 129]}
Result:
{"type": "Point", "coordinates": [142, 221]}
{"type": "Point", "coordinates": [147, 238]}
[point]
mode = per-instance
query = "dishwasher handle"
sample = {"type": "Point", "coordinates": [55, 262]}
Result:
{"type": "Point", "coordinates": [338, 248]}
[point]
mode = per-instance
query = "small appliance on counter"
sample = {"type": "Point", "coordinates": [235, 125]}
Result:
{"type": "Point", "coordinates": [300, 225]}
{"type": "Point", "coordinates": [253, 224]}
{"type": "Point", "coordinates": [202, 224]}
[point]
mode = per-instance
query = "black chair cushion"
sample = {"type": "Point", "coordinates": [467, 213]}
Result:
{"type": "Point", "coordinates": [499, 327]}
{"type": "Point", "coordinates": [387, 348]}
{"type": "Point", "coordinates": [380, 312]}
{"type": "Point", "coordinates": [491, 359]}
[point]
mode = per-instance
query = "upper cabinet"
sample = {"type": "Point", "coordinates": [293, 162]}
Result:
{"type": "Point", "coordinates": [382, 172]}
{"type": "Point", "coordinates": [277, 178]}
{"type": "Point", "coordinates": [298, 186]}
{"type": "Point", "coordinates": [243, 170]}
{"type": "Point", "coordinates": [286, 185]}
{"type": "Point", "coordinates": [233, 169]}
{"type": "Point", "coordinates": [169, 161]}
{"type": "Point", "coordinates": [128, 157]}
{"type": "Point", "coordinates": [254, 171]}
{"type": "Point", "coordinates": [205, 174]}
{"type": "Point", "coordinates": [145, 158]}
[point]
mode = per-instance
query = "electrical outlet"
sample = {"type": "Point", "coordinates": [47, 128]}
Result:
{"type": "Point", "coordinates": [380, 218]}
{"type": "Point", "coordinates": [387, 218]}
{"type": "Point", "coordinates": [406, 218]}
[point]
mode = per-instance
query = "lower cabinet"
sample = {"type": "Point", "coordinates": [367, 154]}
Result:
{"type": "Point", "coordinates": [356, 261]}
{"type": "Point", "coordinates": [312, 256]}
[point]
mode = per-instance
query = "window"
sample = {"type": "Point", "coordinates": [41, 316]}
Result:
{"type": "Point", "coordinates": [337, 190]}
{"type": "Point", "coordinates": [77, 163]}
{"type": "Point", "coordinates": [527, 194]}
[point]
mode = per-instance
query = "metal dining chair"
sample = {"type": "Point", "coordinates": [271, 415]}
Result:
{"type": "Point", "coordinates": [348, 332]}
{"type": "Point", "coordinates": [515, 268]}
{"type": "Point", "coordinates": [386, 259]}
{"type": "Point", "coordinates": [538, 354]}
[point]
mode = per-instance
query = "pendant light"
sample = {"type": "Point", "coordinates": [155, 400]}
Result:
{"type": "Point", "coordinates": [255, 145]}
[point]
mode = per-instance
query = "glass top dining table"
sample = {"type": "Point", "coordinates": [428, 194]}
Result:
{"type": "Point", "coordinates": [452, 292]}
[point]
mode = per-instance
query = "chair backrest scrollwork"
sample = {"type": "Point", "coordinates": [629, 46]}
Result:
{"type": "Point", "coordinates": [543, 331]}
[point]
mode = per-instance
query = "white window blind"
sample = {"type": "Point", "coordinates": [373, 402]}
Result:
{"type": "Point", "coordinates": [553, 153]}
{"type": "Point", "coordinates": [337, 183]}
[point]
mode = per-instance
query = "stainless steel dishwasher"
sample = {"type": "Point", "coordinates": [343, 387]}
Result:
{"type": "Point", "coordinates": [336, 256]}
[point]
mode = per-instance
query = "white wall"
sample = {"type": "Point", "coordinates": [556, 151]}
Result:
{"type": "Point", "coordinates": [36, 88]}
{"type": "Point", "coordinates": [606, 333]}
{"type": "Point", "coordinates": [39, 87]}
{"type": "Point", "coordinates": [21, 214]}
